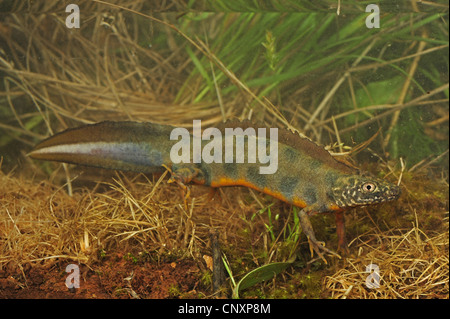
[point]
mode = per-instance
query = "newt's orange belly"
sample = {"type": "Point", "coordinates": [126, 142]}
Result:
{"type": "Point", "coordinates": [226, 181]}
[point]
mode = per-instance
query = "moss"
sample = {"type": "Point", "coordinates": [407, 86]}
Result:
{"type": "Point", "coordinates": [206, 278]}
{"type": "Point", "coordinates": [174, 291]}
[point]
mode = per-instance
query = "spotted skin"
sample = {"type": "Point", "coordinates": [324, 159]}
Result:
{"type": "Point", "coordinates": [307, 175]}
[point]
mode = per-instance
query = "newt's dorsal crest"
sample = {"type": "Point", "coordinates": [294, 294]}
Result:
{"type": "Point", "coordinates": [298, 142]}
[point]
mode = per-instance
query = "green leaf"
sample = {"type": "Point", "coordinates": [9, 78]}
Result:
{"type": "Point", "coordinates": [260, 274]}
{"type": "Point", "coordinates": [203, 72]}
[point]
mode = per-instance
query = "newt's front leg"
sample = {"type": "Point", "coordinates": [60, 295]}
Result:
{"type": "Point", "coordinates": [340, 230]}
{"type": "Point", "coordinates": [314, 244]}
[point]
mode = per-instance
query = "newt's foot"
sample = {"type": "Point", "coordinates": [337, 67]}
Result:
{"type": "Point", "coordinates": [314, 244]}
{"type": "Point", "coordinates": [319, 247]}
{"type": "Point", "coordinates": [343, 249]}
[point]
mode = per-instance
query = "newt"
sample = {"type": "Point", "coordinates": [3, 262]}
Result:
{"type": "Point", "coordinates": [307, 175]}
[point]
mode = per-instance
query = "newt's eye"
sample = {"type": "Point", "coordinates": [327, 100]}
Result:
{"type": "Point", "coordinates": [369, 187]}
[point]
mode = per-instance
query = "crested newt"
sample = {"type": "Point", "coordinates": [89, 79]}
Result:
{"type": "Point", "coordinates": [307, 175]}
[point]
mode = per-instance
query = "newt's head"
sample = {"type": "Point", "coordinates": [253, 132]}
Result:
{"type": "Point", "coordinates": [356, 190]}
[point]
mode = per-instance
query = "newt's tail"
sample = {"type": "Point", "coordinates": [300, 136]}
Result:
{"type": "Point", "coordinates": [129, 146]}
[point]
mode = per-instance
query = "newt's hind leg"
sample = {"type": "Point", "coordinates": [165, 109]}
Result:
{"type": "Point", "coordinates": [183, 176]}
{"type": "Point", "coordinates": [314, 244]}
{"type": "Point", "coordinates": [212, 193]}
